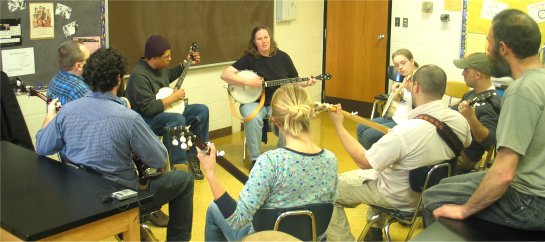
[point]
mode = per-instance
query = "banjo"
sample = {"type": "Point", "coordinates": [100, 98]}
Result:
{"type": "Point", "coordinates": [178, 106]}
{"type": "Point", "coordinates": [188, 139]}
{"type": "Point", "coordinates": [246, 94]}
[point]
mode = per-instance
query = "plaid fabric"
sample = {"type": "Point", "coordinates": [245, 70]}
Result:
{"type": "Point", "coordinates": [67, 87]}
{"type": "Point", "coordinates": [99, 132]}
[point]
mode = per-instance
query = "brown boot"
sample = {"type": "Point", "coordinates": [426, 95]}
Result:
{"type": "Point", "coordinates": [146, 234]}
{"type": "Point", "coordinates": [158, 218]}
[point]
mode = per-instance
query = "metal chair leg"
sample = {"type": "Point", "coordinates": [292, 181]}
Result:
{"type": "Point", "coordinates": [367, 227]}
{"type": "Point", "coordinates": [244, 148]}
{"type": "Point", "coordinates": [374, 108]}
{"type": "Point", "coordinates": [413, 227]}
{"type": "Point", "coordinates": [387, 229]}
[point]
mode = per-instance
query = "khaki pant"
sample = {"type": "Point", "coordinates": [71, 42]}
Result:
{"type": "Point", "coordinates": [353, 190]}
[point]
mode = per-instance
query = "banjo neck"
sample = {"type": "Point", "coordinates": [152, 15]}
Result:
{"type": "Point", "coordinates": [284, 81]}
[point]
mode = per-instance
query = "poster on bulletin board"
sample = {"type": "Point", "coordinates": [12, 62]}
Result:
{"type": "Point", "coordinates": [481, 12]}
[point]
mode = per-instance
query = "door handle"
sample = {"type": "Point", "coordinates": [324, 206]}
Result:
{"type": "Point", "coordinates": [380, 36]}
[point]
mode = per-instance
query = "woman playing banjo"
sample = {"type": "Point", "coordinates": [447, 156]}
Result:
{"type": "Point", "coordinates": [263, 57]}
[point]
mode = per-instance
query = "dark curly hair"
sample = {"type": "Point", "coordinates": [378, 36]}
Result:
{"type": "Point", "coordinates": [103, 69]}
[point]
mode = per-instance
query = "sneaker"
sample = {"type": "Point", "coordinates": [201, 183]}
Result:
{"type": "Point", "coordinates": [374, 234]}
{"type": "Point", "coordinates": [158, 218]}
{"type": "Point", "coordinates": [195, 168]}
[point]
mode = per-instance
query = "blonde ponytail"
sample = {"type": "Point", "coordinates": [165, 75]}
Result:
{"type": "Point", "coordinates": [291, 109]}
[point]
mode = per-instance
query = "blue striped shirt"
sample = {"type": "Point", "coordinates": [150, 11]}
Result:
{"type": "Point", "coordinates": [67, 87]}
{"type": "Point", "coordinates": [98, 131]}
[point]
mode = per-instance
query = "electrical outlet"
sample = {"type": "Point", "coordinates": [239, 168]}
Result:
{"type": "Point", "coordinates": [397, 21]}
{"type": "Point", "coordinates": [405, 22]}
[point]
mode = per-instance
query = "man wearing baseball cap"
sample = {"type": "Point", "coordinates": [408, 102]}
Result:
{"type": "Point", "coordinates": [481, 116]}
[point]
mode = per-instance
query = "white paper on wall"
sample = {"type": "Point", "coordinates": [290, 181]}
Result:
{"type": "Point", "coordinates": [491, 8]}
{"type": "Point", "coordinates": [537, 11]}
{"type": "Point", "coordinates": [70, 29]}
{"type": "Point", "coordinates": [63, 10]}
{"type": "Point", "coordinates": [18, 62]}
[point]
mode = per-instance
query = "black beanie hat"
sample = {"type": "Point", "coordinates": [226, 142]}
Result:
{"type": "Point", "coordinates": [156, 46]}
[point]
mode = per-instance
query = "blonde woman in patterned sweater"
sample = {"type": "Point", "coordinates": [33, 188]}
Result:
{"type": "Point", "coordinates": [299, 173]}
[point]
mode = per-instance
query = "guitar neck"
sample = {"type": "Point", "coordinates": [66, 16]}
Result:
{"type": "Point", "coordinates": [374, 125]}
{"type": "Point", "coordinates": [184, 72]}
{"type": "Point", "coordinates": [379, 127]}
{"type": "Point", "coordinates": [223, 162]}
{"type": "Point", "coordinates": [33, 92]}
{"type": "Point", "coordinates": [284, 81]}
{"type": "Point", "coordinates": [232, 169]}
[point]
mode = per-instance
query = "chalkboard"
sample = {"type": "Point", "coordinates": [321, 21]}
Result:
{"type": "Point", "coordinates": [221, 28]}
{"type": "Point", "coordinates": [87, 15]}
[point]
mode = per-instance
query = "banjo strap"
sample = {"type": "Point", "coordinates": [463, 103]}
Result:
{"type": "Point", "coordinates": [253, 114]}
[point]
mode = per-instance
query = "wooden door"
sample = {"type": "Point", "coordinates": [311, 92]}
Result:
{"type": "Point", "coordinates": [356, 48]}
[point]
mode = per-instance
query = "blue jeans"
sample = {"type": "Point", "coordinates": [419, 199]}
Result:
{"type": "Point", "coordinates": [195, 115]}
{"type": "Point", "coordinates": [253, 129]}
{"type": "Point", "coordinates": [368, 136]}
{"type": "Point", "coordinates": [176, 188]}
{"type": "Point", "coordinates": [217, 229]}
{"type": "Point", "coordinates": [514, 209]}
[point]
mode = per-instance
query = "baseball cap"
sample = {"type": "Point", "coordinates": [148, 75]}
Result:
{"type": "Point", "coordinates": [478, 61]}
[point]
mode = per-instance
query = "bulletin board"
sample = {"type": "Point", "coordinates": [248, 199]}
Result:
{"type": "Point", "coordinates": [479, 14]}
{"type": "Point", "coordinates": [67, 19]}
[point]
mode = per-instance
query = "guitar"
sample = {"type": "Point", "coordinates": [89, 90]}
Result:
{"type": "Point", "coordinates": [481, 98]}
{"type": "Point", "coordinates": [393, 100]}
{"type": "Point", "coordinates": [391, 104]}
{"type": "Point", "coordinates": [32, 92]}
{"type": "Point", "coordinates": [320, 107]}
{"type": "Point", "coordinates": [189, 139]}
{"type": "Point", "coordinates": [178, 106]}
{"type": "Point", "coordinates": [246, 94]}
{"type": "Point", "coordinates": [146, 173]}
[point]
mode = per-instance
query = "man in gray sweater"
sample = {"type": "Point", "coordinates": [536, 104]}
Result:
{"type": "Point", "coordinates": [152, 73]}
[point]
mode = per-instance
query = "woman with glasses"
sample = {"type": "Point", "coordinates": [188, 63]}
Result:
{"type": "Point", "coordinates": [401, 102]}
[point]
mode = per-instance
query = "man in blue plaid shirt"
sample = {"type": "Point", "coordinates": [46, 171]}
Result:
{"type": "Point", "coordinates": [67, 85]}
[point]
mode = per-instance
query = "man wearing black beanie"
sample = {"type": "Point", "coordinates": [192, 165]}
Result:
{"type": "Point", "coordinates": [152, 73]}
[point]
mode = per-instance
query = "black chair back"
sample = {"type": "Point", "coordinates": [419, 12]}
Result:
{"type": "Point", "coordinates": [393, 74]}
{"type": "Point", "coordinates": [426, 176]}
{"type": "Point", "coordinates": [299, 226]}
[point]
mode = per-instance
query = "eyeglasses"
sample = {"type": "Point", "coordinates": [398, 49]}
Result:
{"type": "Point", "coordinates": [403, 63]}
{"type": "Point", "coordinates": [167, 56]}
{"type": "Point", "coordinates": [84, 60]}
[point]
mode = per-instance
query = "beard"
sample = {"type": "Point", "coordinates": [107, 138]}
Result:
{"type": "Point", "coordinates": [498, 65]}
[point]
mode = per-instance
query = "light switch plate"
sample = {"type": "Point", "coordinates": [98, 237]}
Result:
{"type": "Point", "coordinates": [427, 7]}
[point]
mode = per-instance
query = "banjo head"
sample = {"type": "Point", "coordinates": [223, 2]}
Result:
{"type": "Point", "coordinates": [245, 94]}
